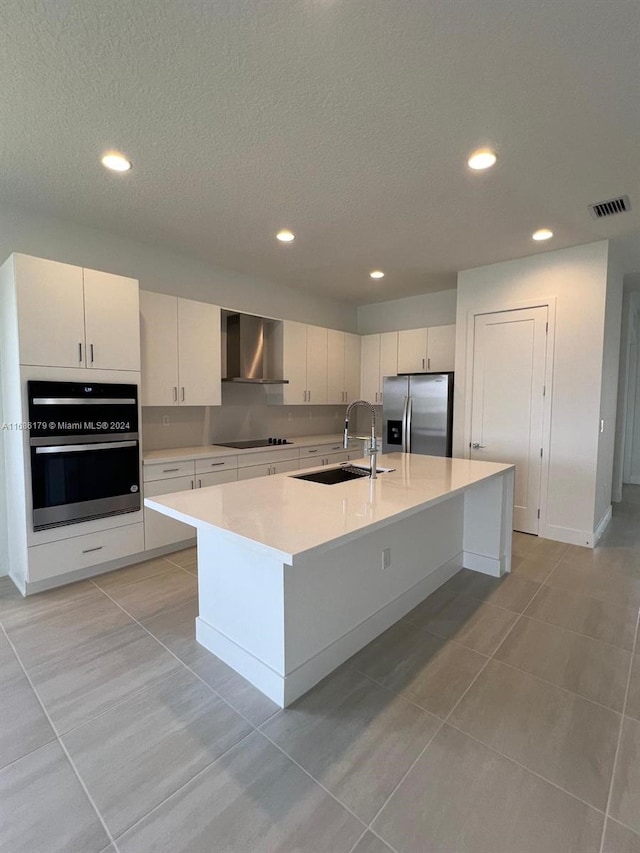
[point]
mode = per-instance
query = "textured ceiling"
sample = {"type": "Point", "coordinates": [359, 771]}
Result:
{"type": "Point", "coordinates": [348, 121]}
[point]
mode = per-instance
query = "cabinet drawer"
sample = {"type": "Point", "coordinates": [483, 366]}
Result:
{"type": "Point", "coordinates": [163, 470]}
{"type": "Point", "coordinates": [251, 471]}
{"type": "Point", "coordinates": [267, 457]}
{"type": "Point", "coordinates": [319, 450]}
{"type": "Point", "coordinates": [166, 487]}
{"type": "Point", "coordinates": [80, 552]}
{"type": "Point", "coordinates": [216, 478]}
{"type": "Point", "coordinates": [216, 463]}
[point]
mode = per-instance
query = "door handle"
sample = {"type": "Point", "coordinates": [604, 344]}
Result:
{"type": "Point", "coordinates": [477, 446]}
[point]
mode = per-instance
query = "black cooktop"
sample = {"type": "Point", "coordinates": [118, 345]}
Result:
{"type": "Point", "coordinates": [257, 442]}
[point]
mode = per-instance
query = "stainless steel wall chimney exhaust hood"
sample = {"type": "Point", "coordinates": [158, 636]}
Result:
{"type": "Point", "coordinates": [247, 351]}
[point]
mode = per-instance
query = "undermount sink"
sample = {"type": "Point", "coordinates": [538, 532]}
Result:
{"type": "Point", "coordinates": [341, 474]}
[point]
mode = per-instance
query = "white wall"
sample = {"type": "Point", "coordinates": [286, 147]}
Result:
{"type": "Point", "coordinates": [164, 271]}
{"type": "Point", "coordinates": [609, 387]}
{"type": "Point", "coordinates": [576, 278]}
{"type": "Point", "coordinates": [414, 312]}
{"type": "Point", "coordinates": [632, 420]}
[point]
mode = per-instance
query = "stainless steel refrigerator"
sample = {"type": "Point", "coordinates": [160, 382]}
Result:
{"type": "Point", "coordinates": [418, 413]}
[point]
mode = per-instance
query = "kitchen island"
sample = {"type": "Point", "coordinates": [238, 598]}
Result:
{"type": "Point", "coordinates": [296, 576]}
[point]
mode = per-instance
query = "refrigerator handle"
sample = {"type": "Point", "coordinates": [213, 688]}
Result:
{"type": "Point", "coordinates": [407, 430]}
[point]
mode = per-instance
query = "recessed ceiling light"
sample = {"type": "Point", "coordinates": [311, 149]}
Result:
{"type": "Point", "coordinates": [116, 162]}
{"type": "Point", "coordinates": [285, 236]}
{"type": "Point", "coordinates": [376, 274]}
{"type": "Point", "coordinates": [542, 234]}
{"type": "Point", "coordinates": [483, 158]}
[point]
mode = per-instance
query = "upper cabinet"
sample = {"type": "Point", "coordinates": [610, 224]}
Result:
{"type": "Point", "coordinates": [343, 367]}
{"type": "Point", "coordinates": [300, 356]}
{"type": "Point", "coordinates": [74, 317]}
{"type": "Point", "coordinates": [430, 350]}
{"type": "Point", "coordinates": [379, 358]}
{"type": "Point", "coordinates": [181, 359]}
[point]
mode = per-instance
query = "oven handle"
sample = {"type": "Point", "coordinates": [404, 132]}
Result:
{"type": "Point", "coordinates": [96, 438]}
{"type": "Point", "coordinates": [83, 448]}
{"type": "Point", "coordinates": [83, 401]}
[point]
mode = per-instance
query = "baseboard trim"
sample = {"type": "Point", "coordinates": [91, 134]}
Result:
{"type": "Point", "coordinates": [585, 538]}
{"type": "Point", "coordinates": [283, 688]}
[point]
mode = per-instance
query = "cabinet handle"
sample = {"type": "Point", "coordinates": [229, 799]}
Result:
{"type": "Point", "coordinates": [313, 451]}
{"type": "Point", "coordinates": [182, 389]}
{"type": "Point", "coordinates": [192, 485]}
{"type": "Point", "coordinates": [199, 484]}
{"type": "Point", "coordinates": [309, 392]}
{"type": "Point", "coordinates": [423, 363]}
{"type": "Point", "coordinates": [80, 353]}
{"type": "Point", "coordinates": [215, 464]}
{"type": "Point", "coordinates": [428, 364]}
{"type": "Point", "coordinates": [175, 393]}
{"type": "Point", "coordinates": [89, 550]}
{"type": "Point", "coordinates": [91, 347]}
{"type": "Point", "coordinates": [169, 470]}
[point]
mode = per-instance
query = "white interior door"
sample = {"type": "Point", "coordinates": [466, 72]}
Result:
{"type": "Point", "coordinates": [509, 359]}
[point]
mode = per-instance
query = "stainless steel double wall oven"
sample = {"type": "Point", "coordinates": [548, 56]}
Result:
{"type": "Point", "coordinates": [85, 451]}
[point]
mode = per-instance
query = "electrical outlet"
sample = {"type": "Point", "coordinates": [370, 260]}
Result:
{"type": "Point", "coordinates": [386, 558]}
{"type": "Point", "coordinates": [165, 420]}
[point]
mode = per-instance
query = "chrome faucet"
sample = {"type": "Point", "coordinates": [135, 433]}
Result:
{"type": "Point", "coordinates": [371, 449]}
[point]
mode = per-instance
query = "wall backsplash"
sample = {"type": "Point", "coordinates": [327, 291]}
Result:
{"type": "Point", "coordinates": [244, 414]}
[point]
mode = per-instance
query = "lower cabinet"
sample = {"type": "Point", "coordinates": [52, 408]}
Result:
{"type": "Point", "coordinates": [252, 471]}
{"type": "Point", "coordinates": [81, 552]}
{"type": "Point", "coordinates": [160, 530]}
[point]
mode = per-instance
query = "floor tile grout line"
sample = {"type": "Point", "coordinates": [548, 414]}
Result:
{"type": "Point", "coordinates": [625, 825]}
{"type": "Point", "coordinates": [558, 686]}
{"type": "Point", "coordinates": [186, 666]}
{"type": "Point", "coordinates": [577, 633]}
{"type": "Point", "coordinates": [313, 778]}
{"type": "Point", "coordinates": [364, 832]}
{"type": "Point", "coordinates": [444, 721]}
{"type": "Point", "coordinates": [65, 750]}
{"type": "Point", "coordinates": [182, 787]}
{"type": "Point", "coordinates": [526, 769]}
{"type": "Point", "coordinates": [619, 741]}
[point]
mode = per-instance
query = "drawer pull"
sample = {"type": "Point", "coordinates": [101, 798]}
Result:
{"type": "Point", "coordinates": [313, 451]}
{"type": "Point", "coordinates": [89, 550]}
{"type": "Point", "coordinates": [214, 464]}
{"type": "Point", "coordinates": [169, 470]}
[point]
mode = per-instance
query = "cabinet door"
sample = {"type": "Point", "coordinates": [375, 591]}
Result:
{"type": "Point", "coordinates": [351, 367]}
{"type": "Point", "coordinates": [335, 366]}
{"type": "Point", "coordinates": [294, 362]}
{"type": "Point", "coordinates": [159, 346]}
{"type": "Point", "coordinates": [370, 368]}
{"type": "Point", "coordinates": [50, 312]}
{"type": "Point", "coordinates": [441, 349]}
{"type": "Point", "coordinates": [282, 467]}
{"type": "Point", "coordinates": [252, 471]}
{"type": "Point", "coordinates": [199, 356]}
{"type": "Point", "coordinates": [112, 321]}
{"type": "Point", "coordinates": [160, 530]}
{"type": "Point", "coordinates": [412, 351]}
{"type": "Point", "coordinates": [388, 358]}
{"type": "Point", "coordinates": [316, 364]}
{"type": "Point", "coordinates": [215, 479]}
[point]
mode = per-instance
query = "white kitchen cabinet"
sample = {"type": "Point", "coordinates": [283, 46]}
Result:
{"type": "Point", "coordinates": [158, 529]}
{"type": "Point", "coordinates": [429, 350]}
{"type": "Point", "coordinates": [251, 471]}
{"type": "Point", "coordinates": [301, 357]}
{"type": "Point", "coordinates": [441, 349]}
{"type": "Point", "coordinates": [74, 317]}
{"type": "Point", "coordinates": [181, 358]}
{"type": "Point", "coordinates": [343, 367]}
{"type": "Point", "coordinates": [379, 358]}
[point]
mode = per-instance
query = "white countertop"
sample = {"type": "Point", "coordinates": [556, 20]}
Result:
{"type": "Point", "coordinates": [178, 454]}
{"type": "Point", "coordinates": [288, 517]}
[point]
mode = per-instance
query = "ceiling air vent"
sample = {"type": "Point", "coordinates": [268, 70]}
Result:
{"type": "Point", "coordinates": [608, 208]}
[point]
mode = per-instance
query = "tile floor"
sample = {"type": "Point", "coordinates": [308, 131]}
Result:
{"type": "Point", "coordinates": [497, 717]}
